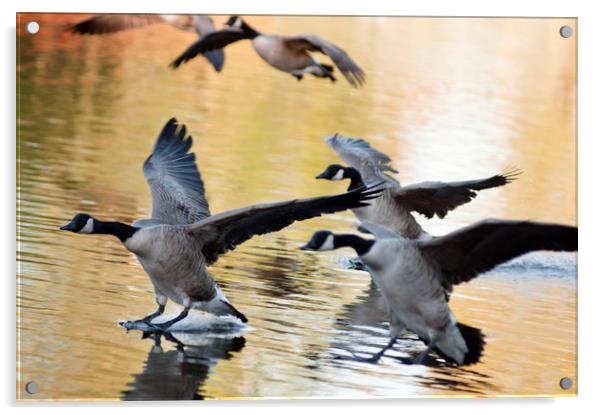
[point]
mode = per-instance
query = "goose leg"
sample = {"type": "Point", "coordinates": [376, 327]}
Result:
{"type": "Point", "coordinates": [165, 325]}
{"type": "Point", "coordinates": [151, 316]}
{"type": "Point", "coordinates": [161, 301]}
{"type": "Point", "coordinates": [376, 357]}
{"type": "Point", "coordinates": [420, 358]}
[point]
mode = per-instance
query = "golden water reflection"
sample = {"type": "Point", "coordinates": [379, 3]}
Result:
{"type": "Point", "coordinates": [446, 98]}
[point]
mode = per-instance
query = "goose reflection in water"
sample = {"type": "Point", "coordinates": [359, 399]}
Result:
{"type": "Point", "coordinates": [179, 374]}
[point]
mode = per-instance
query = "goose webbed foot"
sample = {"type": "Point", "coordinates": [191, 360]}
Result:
{"type": "Point", "coordinates": [151, 316]}
{"type": "Point", "coordinates": [167, 324]}
{"type": "Point", "coordinates": [299, 77]}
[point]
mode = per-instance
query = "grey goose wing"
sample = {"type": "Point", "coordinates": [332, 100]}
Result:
{"type": "Point", "coordinates": [203, 25]}
{"type": "Point", "coordinates": [308, 42]}
{"type": "Point", "coordinates": [110, 23]}
{"type": "Point", "coordinates": [359, 154]}
{"type": "Point", "coordinates": [174, 180]}
{"type": "Point", "coordinates": [222, 232]}
{"type": "Point", "coordinates": [438, 198]}
{"type": "Point", "coordinates": [464, 254]}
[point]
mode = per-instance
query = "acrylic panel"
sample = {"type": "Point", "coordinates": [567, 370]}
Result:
{"type": "Point", "coordinates": [447, 99]}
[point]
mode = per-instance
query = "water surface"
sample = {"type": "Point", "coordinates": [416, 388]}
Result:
{"type": "Point", "coordinates": [448, 99]}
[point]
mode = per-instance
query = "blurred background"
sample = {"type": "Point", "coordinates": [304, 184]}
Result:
{"type": "Point", "coordinates": [446, 98]}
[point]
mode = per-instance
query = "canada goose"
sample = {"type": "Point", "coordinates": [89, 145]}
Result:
{"type": "Point", "coordinates": [394, 209]}
{"type": "Point", "coordinates": [182, 238]}
{"type": "Point", "coordinates": [101, 24]}
{"type": "Point", "coordinates": [287, 53]}
{"type": "Point", "coordinates": [414, 275]}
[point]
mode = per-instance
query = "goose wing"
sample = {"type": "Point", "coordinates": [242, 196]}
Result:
{"type": "Point", "coordinates": [359, 154]}
{"type": "Point", "coordinates": [312, 43]}
{"type": "Point", "coordinates": [464, 254]}
{"type": "Point", "coordinates": [211, 41]}
{"type": "Point", "coordinates": [110, 23]}
{"type": "Point", "coordinates": [438, 198]}
{"type": "Point", "coordinates": [203, 25]}
{"type": "Point", "coordinates": [173, 178]}
{"type": "Point", "coordinates": [224, 231]}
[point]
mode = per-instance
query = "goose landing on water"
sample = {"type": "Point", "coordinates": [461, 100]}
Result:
{"type": "Point", "coordinates": [413, 276]}
{"type": "Point", "coordinates": [286, 53]}
{"type": "Point", "coordinates": [110, 23]}
{"type": "Point", "coordinates": [394, 209]}
{"type": "Point", "coordinates": [182, 239]}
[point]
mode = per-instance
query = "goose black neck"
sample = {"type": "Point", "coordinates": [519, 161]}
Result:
{"type": "Point", "coordinates": [118, 229]}
{"type": "Point", "coordinates": [354, 176]}
{"type": "Point", "coordinates": [248, 30]}
{"type": "Point", "coordinates": [361, 245]}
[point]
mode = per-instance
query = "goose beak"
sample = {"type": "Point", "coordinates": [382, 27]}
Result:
{"type": "Point", "coordinates": [306, 247]}
{"type": "Point", "coordinates": [321, 176]}
{"type": "Point", "coordinates": [68, 227]}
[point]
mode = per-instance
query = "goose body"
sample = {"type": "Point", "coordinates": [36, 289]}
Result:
{"type": "Point", "coordinates": [170, 258]}
{"type": "Point", "coordinates": [182, 238]}
{"type": "Point", "coordinates": [414, 275]}
{"type": "Point", "coordinates": [385, 211]}
{"type": "Point", "coordinates": [394, 209]}
{"type": "Point", "coordinates": [416, 299]}
{"type": "Point", "coordinates": [290, 54]}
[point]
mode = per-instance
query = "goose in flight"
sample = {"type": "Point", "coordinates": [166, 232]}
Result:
{"type": "Point", "coordinates": [414, 275]}
{"type": "Point", "coordinates": [182, 238]}
{"type": "Point", "coordinates": [286, 53]}
{"type": "Point", "coordinates": [101, 24]}
{"type": "Point", "coordinates": [394, 208]}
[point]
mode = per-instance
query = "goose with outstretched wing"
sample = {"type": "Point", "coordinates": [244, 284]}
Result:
{"type": "Point", "coordinates": [367, 165]}
{"type": "Point", "coordinates": [286, 53]}
{"type": "Point", "coordinates": [414, 276]}
{"type": "Point", "coordinates": [181, 239]}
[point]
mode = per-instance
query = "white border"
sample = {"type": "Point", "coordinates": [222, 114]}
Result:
{"type": "Point", "coordinates": [590, 93]}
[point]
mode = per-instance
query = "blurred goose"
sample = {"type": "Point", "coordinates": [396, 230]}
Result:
{"type": "Point", "coordinates": [286, 53]}
{"type": "Point", "coordinates": [394, 209]}
{"type": "Point", "coordinates": [101, 24]}
{"type": "Point", "coordinates": [414, 275]}
{"type": "Point", "coordinates": [182, 238]}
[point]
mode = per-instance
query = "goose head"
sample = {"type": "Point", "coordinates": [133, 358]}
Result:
{"type": "Point", "coordinates": [328, 241]}
{"type": "Point", "coordinates": [81, 223]}
{"type": "Point", "coordinates": [234, 21]}
{"type": "Point", "coordinates": [338, 172]}
{"type": "Point", "coordinates": [321, 241]}
{"type": "Point", "coordinates": [238, 22]}
{"type": "Point", "coordinates": [333, 172]}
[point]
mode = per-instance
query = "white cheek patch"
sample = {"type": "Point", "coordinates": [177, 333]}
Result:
{"type": "Point", "coordinates": [339, 175]}
{"type": "Point", "coordinates": [89, 227]}
{"type": "Point", "coordinates": [328, 244]}
{"type": "Point", "coordinates": [238, 22]}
